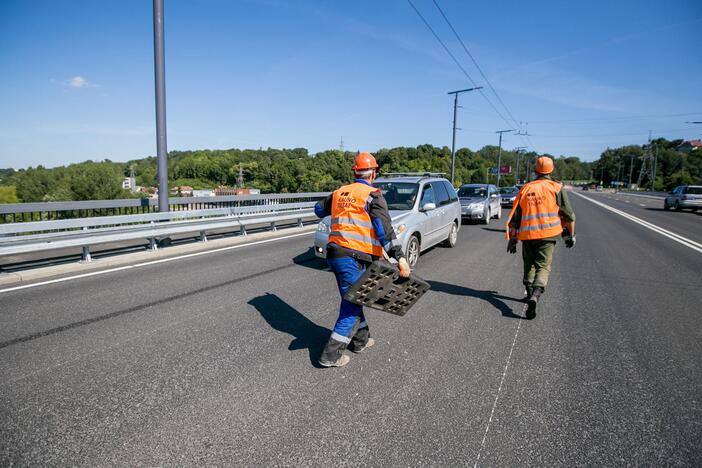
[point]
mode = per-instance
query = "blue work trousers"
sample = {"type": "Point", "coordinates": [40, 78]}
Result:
{"type": "Point", "coordinates": [347, 270]}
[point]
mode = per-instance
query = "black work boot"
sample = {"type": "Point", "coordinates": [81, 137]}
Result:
{"type": "Point", "coordinates": [361, 340]}
{"type": "Point", "coordinates": [528, 290]}
{"type": "Point", "coordinates": [532, 300]}
{"type": "Point", "coordinates": [333, 354]}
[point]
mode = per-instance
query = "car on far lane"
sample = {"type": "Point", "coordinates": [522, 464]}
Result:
{"type": "Point", "coordinates": [479, 202]}
{"type": "Point", "coordinates": [684, 196]}
{"type": "Point", "coordinates": [507, 195]}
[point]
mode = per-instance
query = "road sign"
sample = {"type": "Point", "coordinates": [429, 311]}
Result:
{"type": "Point", "coordinates": [503, 170]}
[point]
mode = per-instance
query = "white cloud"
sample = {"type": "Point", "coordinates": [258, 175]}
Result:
{"type": "Point", "coordinates": [79, 82]}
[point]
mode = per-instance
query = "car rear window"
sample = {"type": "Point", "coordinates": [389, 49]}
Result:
{"type": "Point", "coordinates": [472, 192]}
{"type": "Point", "coordinates": [694, 190]}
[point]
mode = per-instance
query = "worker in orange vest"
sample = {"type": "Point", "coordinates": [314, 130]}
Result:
{"type": "Point", "coordinates": [361, 231]}
{"type": "Point", "coordinates": [541, 214]}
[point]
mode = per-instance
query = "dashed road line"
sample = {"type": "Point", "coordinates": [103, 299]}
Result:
{"type": "Point", "coordinates": [494, 405]}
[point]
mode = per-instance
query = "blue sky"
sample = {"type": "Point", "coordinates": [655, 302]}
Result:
{"type": "Point", "coordinates": [76, 77]}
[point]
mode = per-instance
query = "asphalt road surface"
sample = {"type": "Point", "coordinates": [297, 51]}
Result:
{"type": "Point", "coordinates": [211, 360]}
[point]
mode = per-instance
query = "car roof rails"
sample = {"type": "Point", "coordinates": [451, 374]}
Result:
{"type": "Point", "coordinates": [413, 174]}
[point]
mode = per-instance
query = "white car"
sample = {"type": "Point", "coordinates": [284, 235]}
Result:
{"type": "Point", "coordinates": [420, 222]}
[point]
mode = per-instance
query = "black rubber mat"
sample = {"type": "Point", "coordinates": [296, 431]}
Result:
{"type": "Point", "coordinates": [382, 288]}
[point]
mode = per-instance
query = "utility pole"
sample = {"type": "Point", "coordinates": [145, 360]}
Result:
{"type": "Point", "coordinates": [518, 150]}
{"type": "Point", "coordinates": [341, 145]}
{"type": "Point", "coordinates": [453, 143]}
{"type": "Point", "coordinates": [499, 154]}
{"type": "Point", "coordinates": [655, 166]}
{"type": "Point", "coordinates": [631, 169]}
{"type": "Point", "coordinates": [160, 84]}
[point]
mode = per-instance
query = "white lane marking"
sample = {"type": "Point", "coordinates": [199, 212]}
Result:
{"type": "Point", "coordinates": [494, 405]}
{"type": "Point", "coordinates": [671, 235]}
{"type": "Point", "coordinates": [152, 262]}
{"type": "Point", "coordinates": [641, 204]}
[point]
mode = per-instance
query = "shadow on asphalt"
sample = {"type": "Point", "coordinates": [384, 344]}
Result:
{"type": "Point", "coordinates": [697, 213]}
{"type": "Point", "coordinates": [502, 230]}
{"type": "Point", "coordinates": [310, 260]}
{"type": "Point", "coordinates": [489, 296]}
{"type": "Point", "coordinates": [282, 317]}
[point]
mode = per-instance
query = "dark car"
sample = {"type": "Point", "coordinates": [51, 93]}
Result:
{"type": "Point", "coordinates": [507, 195]}
{"type": "Point", "coordinates": [684, 196]}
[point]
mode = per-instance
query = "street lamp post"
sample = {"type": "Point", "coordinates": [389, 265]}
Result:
{"type": "Point", "coordinates": [499, 154]}
{"type": "Point", "coordinates": [453, 143]}
{"type": "Point", "coordinates": [160, 82]}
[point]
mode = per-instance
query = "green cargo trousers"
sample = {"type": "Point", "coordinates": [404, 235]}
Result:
{"type": "Point", "coordinates": [537, 256]}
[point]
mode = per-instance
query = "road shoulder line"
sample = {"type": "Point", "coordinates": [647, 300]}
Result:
{"type": "Point", "coordinates": [242, 241]}
{"type": "Point", "coordinates": [653, 227]}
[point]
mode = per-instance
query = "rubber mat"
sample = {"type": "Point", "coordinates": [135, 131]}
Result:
{"type": "Point", "coordinates": [381, 287]}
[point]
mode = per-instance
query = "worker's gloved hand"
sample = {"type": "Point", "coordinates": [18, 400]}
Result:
{"type": "Point", "coordinates": [512, 246]}
{"type": "Point", "coordinates": [569, 241]}
{"type": "Point", "coordinates": [404, 268]}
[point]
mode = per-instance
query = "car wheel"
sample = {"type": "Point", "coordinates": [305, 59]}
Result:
{"type": "Point", "coordinates": [665, 205]}
{"type": "Point", "coordinates": [486, 218]}
{"type": "Point", "coordinates": [452, 237]}
{"type": "Point", "coordinates": [499, 213]}
{"type": "Point", "coordinates": [413, 251]}
{"type": "Point", "coordinates": [676, 206]}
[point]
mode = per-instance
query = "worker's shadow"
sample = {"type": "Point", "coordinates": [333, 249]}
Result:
{"type": "Point", "coordinates": [310, 260]}
{"type": "Point", "coordinates": [492, 297]}
{"type": "Point", "coordinates": [279, 315]}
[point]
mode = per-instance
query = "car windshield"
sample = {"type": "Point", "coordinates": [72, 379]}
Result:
{"type": "Point", "coordinates": [472, 192]}
{"type": "Point", "coordinates": [398, 195]}
{"type": "Point", "coordinates": [508, 191]}
{"type": "Point", "coordinates": [694, 190]}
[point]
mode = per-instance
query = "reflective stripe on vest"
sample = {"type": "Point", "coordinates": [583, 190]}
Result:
{"type": "Point", "coordinates": [351, 225]}
{"type": "Point", "coordinates": [355, 222]}
{"type": "Point", "coordinates": [540, 219]}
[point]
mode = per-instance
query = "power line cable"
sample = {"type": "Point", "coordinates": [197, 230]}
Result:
{"type": "Point", "coordinates": [515, 122]}
{"type": "Point", "coordinates": [456, 61]}
{"type": "Point", "coordinates": [475, 62]}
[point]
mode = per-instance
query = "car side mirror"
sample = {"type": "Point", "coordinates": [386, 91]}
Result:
{"type": "Point", "coordinates": [429, 206]}
{"type": "Point", "coordinates": [494, 195]}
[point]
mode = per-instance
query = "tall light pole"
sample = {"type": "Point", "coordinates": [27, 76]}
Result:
{"type": "Point", "coordinates": [499, 154]}
{"type": "Point", "coordinates": [453, 143]}
{"type": "Point", "coordinates": [160, 82]}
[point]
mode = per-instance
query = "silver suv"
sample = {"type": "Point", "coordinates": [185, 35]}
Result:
{"type": "Point", "coordinates": [424, 209]}
{"type": "Point", "coordinates": [684, 196]}
{"type": "Point", "coordinates": [479, 202]}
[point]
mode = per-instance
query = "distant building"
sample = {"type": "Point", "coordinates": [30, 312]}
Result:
{"type": "Point", "coordinates": [204, 193]}
{"type": "Point", "coordinates": [129, 183]}
{"type": "Point", "coordinates": [221, 191]}
{"type": "Point", "coordinates": [182, 190]}
{"type": "Point", "coordinates": [689, 146]}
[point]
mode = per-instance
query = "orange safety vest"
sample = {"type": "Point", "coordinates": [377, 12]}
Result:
{"type": "Point", "coordinates": [351, 225]}
{"type": "Point", "coordinates": [540, 219]}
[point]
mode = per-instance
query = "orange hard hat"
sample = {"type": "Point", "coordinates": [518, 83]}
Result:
{"type": "Point", "coordinates": [544, 165]}
{"type": "Point", "coordinates": [364, 161]}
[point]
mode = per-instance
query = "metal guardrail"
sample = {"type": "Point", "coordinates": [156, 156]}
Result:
{"type": "Point", "coordinates": [16, 238]}
{"type": "Point", "coordinates": [28, 212]}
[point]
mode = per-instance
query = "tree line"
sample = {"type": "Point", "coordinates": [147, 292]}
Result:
{"type": "Point", "coordinates": [296, 170]}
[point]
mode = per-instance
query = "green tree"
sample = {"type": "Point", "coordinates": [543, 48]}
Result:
{"type": "Point", "coordinates": [8, 194]}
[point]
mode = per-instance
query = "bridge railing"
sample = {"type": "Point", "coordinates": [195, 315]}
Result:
{"type": "Point", "coordinates": [45, 211]}
{"type": "Point", "coordinates": [39, 236]}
